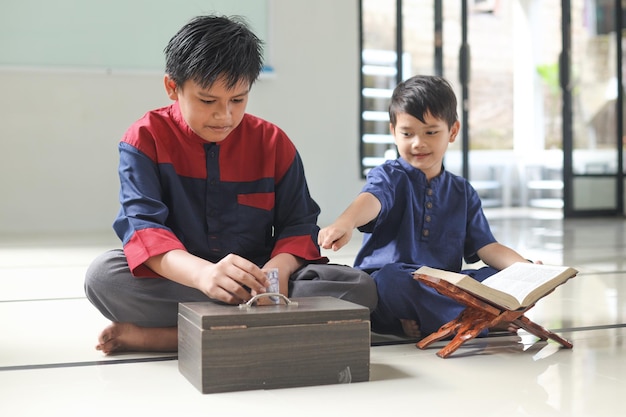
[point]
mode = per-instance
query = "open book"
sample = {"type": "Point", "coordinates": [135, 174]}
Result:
{"type": "Point", "coordinates": [518, 286]}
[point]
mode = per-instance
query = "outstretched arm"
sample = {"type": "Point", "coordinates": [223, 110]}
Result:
{"type": "Point", "coordinates": [499, 256]}
{"type": "Point", "coordinates": [361, 211]}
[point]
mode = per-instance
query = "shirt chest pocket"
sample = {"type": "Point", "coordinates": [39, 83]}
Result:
{"type": "Point", "coordinates": [255, 215]}
{"type": "Point", "coordinates": [263, 201]}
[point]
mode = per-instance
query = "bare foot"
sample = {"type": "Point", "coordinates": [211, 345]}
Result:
{"type": "Point", "coordinates": [410, 328]}
{"type": "Point", "coordinates": [121, 337]}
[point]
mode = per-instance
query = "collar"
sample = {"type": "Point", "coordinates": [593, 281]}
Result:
{"type": "Point", "coordinates": [417, 175]}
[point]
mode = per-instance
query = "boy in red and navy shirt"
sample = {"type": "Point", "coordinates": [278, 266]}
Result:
{"type": "Point", "coordinates": [210, 197]}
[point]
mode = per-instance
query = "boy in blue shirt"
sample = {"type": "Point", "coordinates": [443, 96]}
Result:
{"type": "Point", "coordinates": [413, 212]}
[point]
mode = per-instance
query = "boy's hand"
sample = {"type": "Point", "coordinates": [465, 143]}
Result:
{"type": "Point", "coordinates": [232, 280]}
{"type": "Point", "coordinates": [334, 236]}
{"type": "Point", "coordinates": [365, 208]}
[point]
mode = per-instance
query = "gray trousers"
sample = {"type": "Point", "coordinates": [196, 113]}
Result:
{"type": "Point", "coordinates": [153, 302]}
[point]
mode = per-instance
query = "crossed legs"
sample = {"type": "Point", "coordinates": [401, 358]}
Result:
{"type": "Point", "coordinates": [144, 311]}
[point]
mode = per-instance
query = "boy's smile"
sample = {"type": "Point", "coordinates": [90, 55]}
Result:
{"type": "Point", "coordinates": [212, 113]}
{"type": "Point", "coordinates": [423, 145]}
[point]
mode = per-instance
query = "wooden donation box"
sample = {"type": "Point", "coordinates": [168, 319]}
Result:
{"type": "Point", "coordinates": [297, 342]}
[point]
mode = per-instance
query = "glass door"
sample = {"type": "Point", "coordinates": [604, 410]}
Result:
{"type": "Point", "coordinates": [538, 88]}
{"type": "Point", "coordinates": [594, 176]}
{"type": "Point", "coordinates": [512, 106]}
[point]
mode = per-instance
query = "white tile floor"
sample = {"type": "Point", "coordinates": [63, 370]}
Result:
{"type": "Point", "coordinates": [48, 365]}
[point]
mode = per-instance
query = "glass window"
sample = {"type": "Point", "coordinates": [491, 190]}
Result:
{"type": "Point", "coordinates": [379, 77]}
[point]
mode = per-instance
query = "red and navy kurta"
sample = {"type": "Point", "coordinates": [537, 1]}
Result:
{"type": "Point", "coordinates": [246, 195]}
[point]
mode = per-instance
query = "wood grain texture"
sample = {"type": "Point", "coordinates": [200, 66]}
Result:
{"type": "Point", "coordinates": [477, 316]}
{"type": "Point", "coordinates": [318, 345]}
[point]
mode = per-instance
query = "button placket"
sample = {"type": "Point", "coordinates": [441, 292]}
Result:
{"type": "Point", "coordinates": [428, 206]}
{"type": "Point", "coordinates": [212, 196]}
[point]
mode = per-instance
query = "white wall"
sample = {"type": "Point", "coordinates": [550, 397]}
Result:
{"type": "Point", "coordinates": [59, 129]}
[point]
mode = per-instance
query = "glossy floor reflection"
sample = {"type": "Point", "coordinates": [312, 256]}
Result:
{"type": "Point", "coordinates": [48, 365]}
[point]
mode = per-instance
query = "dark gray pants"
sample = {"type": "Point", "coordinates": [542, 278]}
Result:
{"type": "Point", "coordinates": [153, 302]}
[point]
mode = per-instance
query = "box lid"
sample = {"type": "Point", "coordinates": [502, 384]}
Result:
{"type": "Point", "coordinates": [309, 310]}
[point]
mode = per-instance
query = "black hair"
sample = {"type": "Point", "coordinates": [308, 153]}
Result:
{"type": "Point", "coordinates": [423, 94]}
{"type": "Point", "coordinates": [211, 47]}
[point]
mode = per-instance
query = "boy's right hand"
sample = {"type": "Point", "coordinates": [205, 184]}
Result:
{"type": "Point", "coordinates": [365, 208]}
{"type": "Point", "coordinates": [334, 236]}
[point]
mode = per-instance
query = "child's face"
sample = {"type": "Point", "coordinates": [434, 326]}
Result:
{"type": "Point", "coordinates": [214, 112]}
{"type": "Point", "coordinates": [423, 145]}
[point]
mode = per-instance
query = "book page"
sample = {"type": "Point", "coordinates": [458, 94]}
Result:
{"type": "Point", "coordinates": [520, 279]}
{"type": "Point", "coordinates": [470, 285]}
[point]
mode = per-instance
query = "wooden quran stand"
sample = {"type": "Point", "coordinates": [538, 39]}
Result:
{"type": "Point", "coordinates": [478, 316]}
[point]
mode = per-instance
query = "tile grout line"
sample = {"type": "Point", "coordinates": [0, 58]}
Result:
{"type": "Point", "coordinates": [175, 357]}
{"type": "Point", "coordinates": [34, 300]}
{"type": "Point", "coordinates": [88, 363]}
